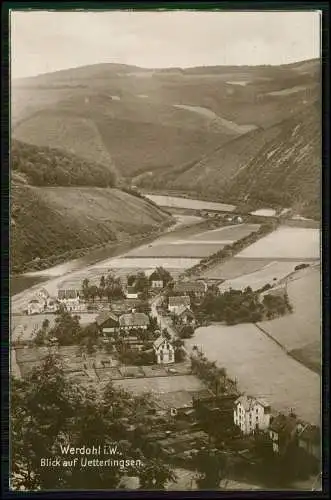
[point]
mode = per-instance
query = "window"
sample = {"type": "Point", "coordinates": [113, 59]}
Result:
{"type": "Point", "coordinates": [170, 356]}
{"type": "Point", "coordinates": [161, 355]}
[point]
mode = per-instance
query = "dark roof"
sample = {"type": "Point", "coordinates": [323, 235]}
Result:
{"type": "Point", "coordinates": [131, 290]}
{"type": "Point", "coordinates": [190, 286]}
{"type": "Point", "coordinates": [67, 294]}
{"type": "Point", "coordinates": [179, 301]}
{"type": "Point", "coordinates": [105, 316]}
{"type": "Point", "coordinates": [156, 276]}
{"type": "Point", "coordinates": [284, 424]}
{"type": "Point", "coordinates": [187, 311]}
{"type": "Point", "coordinates": [134, 319]}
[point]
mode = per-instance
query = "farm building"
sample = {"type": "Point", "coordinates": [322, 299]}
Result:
{"type": "Point", "coordinates": [195, 288]}
{"type": "Point", "coordinates": [282, 431]}
{"type": "Point", "coordinates": [176, 303]}
{"type": "Point", "coordinates": [251, 414]}
{"type": "Point", "coordinates": [107, 322]}
{"type": "Point", "coordinates": [134, 320]}
{"type": "Point", "coordinates": [35, 306]}
{"type": "Point", "coordinates": [164, 351]}
{"type": "Point", "coordinates": [69, 298]}
{"type": "Point", "coordinates": [185, 317]}
{"type": "Point", "coordinates": [159, 278]}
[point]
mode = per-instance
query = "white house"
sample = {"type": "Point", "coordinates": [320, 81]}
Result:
{"type": "Point", "coordinates": [164, 351]}
{"type": "Point", "coordinates": [35, 306]}
{"type": "Point", "coordinates": [131, 293]}
{"type": "Point", "coordinates": [176, 303]}
{"type": "Point", "coordinates": [251, 414]}
{"type": "Point", "coordinates": [69, 298]}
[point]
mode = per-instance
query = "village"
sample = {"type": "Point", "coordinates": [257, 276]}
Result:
{"type": "Point", "coordinates": [132, 330]}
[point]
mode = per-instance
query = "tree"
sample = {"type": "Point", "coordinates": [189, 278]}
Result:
{"type": "Point", "coordinates": [155, 476]}
{"type": "Point", "coordinates": [210, 465]}
{"type": "Point", "coordinates": [86, 288]}
{"type": "Point", "coordinates": [93, 292]}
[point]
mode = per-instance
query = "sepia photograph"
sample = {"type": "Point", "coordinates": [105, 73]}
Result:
{"type": "Point", "coordinates": [165, 250]}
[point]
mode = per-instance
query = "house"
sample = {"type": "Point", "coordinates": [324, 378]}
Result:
{"type": "Point", "coordinates": [186, 317]}
{"type": "Point", "coordinates": [134, 320]}
{"type": "Point", "coordinates": [177, 303]}
{"type": "Point", "coordinates": [107, 322]}
{"type": "Point", "coordinates": [35, 306]}
{"type": "Point", "coordinates": [196, 288]}
{"type": "Point", "coordinates": [51, 305]}
{"type": "Point", "coordinates": [251, 414]}
{"type": "Point", "coordinates": [43, 295]}
{"type": "Point", "coordinates": [156, 281]}
{"type": "Point", "coordinates": [131, 293]}
{"type": "Point", "coordinates": [69, 298]}
{"type": "Point", "coordinates": [164, 351]}
{"type": "Point", "coordinates": [282, 431]}
{"type": "Point", "coordinates": [309, 439]}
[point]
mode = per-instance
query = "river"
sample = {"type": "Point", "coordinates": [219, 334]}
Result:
{"type": "Point", "coordinates": [24, 286]}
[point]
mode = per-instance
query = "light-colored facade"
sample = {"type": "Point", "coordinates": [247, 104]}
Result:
{"type": "Point", "coordinates": [69, 299]}
{"type": "Point", "coordinates": [164, 351]}
{"type": "Point", "coordinates": [177, 303]}
{"type": "Point", "coordinates": [35, 306]}
{"type": "Point", "coordinates": [251, 414]}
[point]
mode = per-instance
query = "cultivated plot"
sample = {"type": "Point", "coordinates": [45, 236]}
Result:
{"type": "Point", "coordinates": [286, 243]}
{"type": "Point", "coordinates": [262, 368]}
{"type": "Point", "coordinates": [302, 328]}
{"type": "Point", "coordinates": [270, 274]}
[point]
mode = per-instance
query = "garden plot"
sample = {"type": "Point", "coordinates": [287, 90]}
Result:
{"type": "Point", "coordinates": [270, 274]}
{"type": "Point", "coordinates": [262, 368]}
{"type": "Point", "coordinates": [151, 263]}
{"type": "Point", "coordinates": [25, 327]}
{"type": "Point", "coordinates": [160, 385]}
{"type": "Point", "coordinates": [286, 243]}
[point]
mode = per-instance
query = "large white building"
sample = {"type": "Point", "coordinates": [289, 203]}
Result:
{"type": "Point", "coordinates": [164, 351]}
{"type": "Point", "coordinates": [251, 414]}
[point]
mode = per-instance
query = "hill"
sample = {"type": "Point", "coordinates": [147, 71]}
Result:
{"type": "Point", "coordinates": [148, 120]}
{"type": "Point", "coordinates": [57, 208]}
{"type": "Point", "coordinates": [279, 166]}
{"type": "Point", "coordinates": [52, 167]}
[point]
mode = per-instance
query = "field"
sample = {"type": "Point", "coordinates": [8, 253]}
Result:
{"type": "Point", "coordinates": [24, 327]}
{"type": "Point", "coordinates": [301, 330]}
{"type": "Point", "coordinates": [173, 201]}
{"type": "Point", "coordinates": [286, 243]}
{"type": "Point", "coordinates": [227, 233]}
{"type": "Point", "coordinates": [270, 273]}
{"type": "Point", "coordinates": [190, 249]}
{"type": "Point", "coordinates": [262, 368]}
{"type": "Point", "coordinates": [161, 385]}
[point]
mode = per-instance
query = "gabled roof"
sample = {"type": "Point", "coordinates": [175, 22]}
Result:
{"type": "Point", "coordinates": [67, 294]}
{"type": "Point", "coordinates": [34, 301]}
{"type": "Point", "coordinates": [105, 316]}
{"type": "Point", "coordinates": [134, 319]}
{"type": "Point", "coordinates": [284, 424]}
{"type": "Point", "coordinates": [248, 402]}
{"type": "Point", "coordinates": [179, 300]}
{"type": "Point", "coordinates": [185, 310]}
{"type": "Point", "coordinates": [190, 286]}
{"type": "Point", "coordinates": [159, 341]}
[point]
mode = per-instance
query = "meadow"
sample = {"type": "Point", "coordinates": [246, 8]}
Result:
{"type": "Point", "coordinates": [262, 368]}
{"type": "Point", "coordinates": [301, 330]}
{"type": "Point", "coordinates": [287, 243]}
